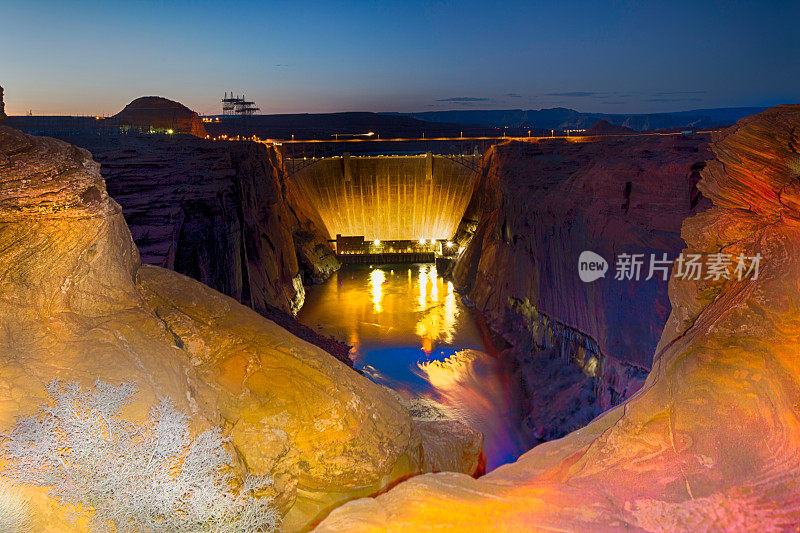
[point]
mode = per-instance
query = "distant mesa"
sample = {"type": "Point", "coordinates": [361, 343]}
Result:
{"type": "Point", "coordinates": [561, 118]}
{"type": "Point", "coordinates": [154, 113]}
{"type": "Point", "coordinates": [603, 127]}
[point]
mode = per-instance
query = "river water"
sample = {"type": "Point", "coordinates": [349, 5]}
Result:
{"type": "Point", "coordinates": [410, 331]}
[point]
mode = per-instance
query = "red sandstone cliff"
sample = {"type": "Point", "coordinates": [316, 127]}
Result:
{"type": "Point", "coordinates": [219, 213]}
{"type": "Point", "coordinates": [160, 114]}
{"type": "Point", "coordinates": [711, 442]}
{"type": "Point", "coordinates": [580, 347]}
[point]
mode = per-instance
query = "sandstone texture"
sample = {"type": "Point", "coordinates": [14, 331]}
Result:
{"type": "Point", "coordinates": [580, 347]}
{"type": "Point", "coordinates": [160, 114]}
{"type": "Point", "coordinates": [221, 213]}
{"type": "Point", "coordinates": [710, 442]}
{"type": "Point", "coordinates": [76, 304]}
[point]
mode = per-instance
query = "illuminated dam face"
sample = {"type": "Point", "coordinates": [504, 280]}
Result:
{"type": "Point", "coordinates": [389, 197]}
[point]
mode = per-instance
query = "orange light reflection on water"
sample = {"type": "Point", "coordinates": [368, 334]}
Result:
{"type": "Point", "coordinates": [388, 315]}
{"type": "Point", "coordinates": [381, 310]}
{"type": "Point", "coordinates": [376, 279]}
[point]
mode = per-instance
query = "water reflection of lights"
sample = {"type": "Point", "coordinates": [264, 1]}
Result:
{"type": "Point", "coordinates": [469, 385]}
{"type": "Point", "coordinates": [376, 279]}
{"type": "Point", "coordinates": [402, 329]}
{"type": "Point", "coordinates": [353, 340]}
{"type": "Point", "coordinates": [434, 285]}
{"type": "Point", "coordinates": [384, 302]}
{"type": "Point", "coordinates": [447, 373]}
{"type": "Point", "coordinates": [422, 281]}
{"type": "Point", "coordinates": [436, 321]}
{"type": "Point", "coordinates": [450, 314]}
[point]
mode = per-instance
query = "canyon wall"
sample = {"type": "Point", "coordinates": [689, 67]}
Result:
{"type": "Point", "coordinates": [76, 304]}
{"type": "Point", "coordinates": [711, 442]}
{"type": "Point", "coordinates": [2, 106]}
{"type": "Point", "coordinates": [579, 348]}
{"type": "Point", "coordinates": [221, 214]}
{"type": "Point", "coordinates": [388, 197]}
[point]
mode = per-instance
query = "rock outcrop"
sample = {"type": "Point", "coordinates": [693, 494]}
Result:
{"type": "Point", "coordinates": [580, 347]}
{"type": "Point", "coordinates": [712, 440]}
{"type": "Point", "coordinates": [160, 114]}
{"type": "Point", "coordinates": [2, 106]}
{"type": "Point", "coordinates": [76, 304]}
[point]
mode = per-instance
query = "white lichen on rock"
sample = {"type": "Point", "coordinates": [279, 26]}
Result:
{"type": "Point", "coordinates": [155, 476]}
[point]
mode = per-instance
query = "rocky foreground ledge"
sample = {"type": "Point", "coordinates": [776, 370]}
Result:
{"type": "Point", "coordinates": [711, 441]}
{"type": "Point", "coordinates": [77, 305]}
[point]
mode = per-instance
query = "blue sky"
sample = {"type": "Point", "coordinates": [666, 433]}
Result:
{"type": "Point", "coordinates": [81, 57]}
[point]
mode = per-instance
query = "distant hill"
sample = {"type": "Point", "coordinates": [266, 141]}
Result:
{"type": "Point", "coordinates": [561, 118]}
{"type": "Point", "coordinates": [143, 115]}
{"type": "Point", "coordinates": [724, 114]}
{"type": "Point", "coordinates": [603, 127]}
{"type": "Point", "coordinates": [343, 125]}
{"type": "Point", "coordinates": [161, 114]}
{"type": "Point", "coordinates": [164, 115]}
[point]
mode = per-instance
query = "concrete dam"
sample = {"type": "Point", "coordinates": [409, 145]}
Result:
{"type": "Point", "coordinates": [388, 197]}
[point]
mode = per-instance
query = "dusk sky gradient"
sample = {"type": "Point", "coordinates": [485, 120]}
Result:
{"type": "Point", "coordinates": [617, 57]}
